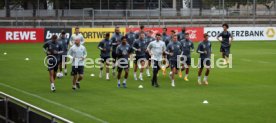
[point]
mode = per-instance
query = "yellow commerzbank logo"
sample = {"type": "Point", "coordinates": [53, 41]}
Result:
{"type": "Point", "coordinates": [270, 32]}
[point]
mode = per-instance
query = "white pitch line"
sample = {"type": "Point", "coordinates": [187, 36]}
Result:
{"type": "Point", "coordinates": [55, 103]}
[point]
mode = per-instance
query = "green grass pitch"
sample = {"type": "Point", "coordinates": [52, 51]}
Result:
{"type": "Point", "coordinates": [244, 94]}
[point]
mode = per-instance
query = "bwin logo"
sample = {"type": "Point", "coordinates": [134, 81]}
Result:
{"type": "Point", "coordinates": [49, 35]}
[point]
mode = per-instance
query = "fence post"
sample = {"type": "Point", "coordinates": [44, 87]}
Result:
{"type": "Point", "coordinates": [223, 7]}
{"type": "Point", "coordinates": [191, 12]}
{"type": "Point", "coordinates": [254, 13]}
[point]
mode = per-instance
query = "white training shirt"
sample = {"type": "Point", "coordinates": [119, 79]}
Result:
{"type": "Point", "coordinates": [156, 48]}
{"type": "Point", "coordinates": [76, 36]}
{"type": "Point", "coordinates": [77, 52]}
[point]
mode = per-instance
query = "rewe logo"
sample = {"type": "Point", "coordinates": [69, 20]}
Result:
{"type": "Point", "coordinates": [192, 34]}
{"type": "Point", "coordinates": [21, 35]}
{"type": "Point", "coordinates": [49, 35]}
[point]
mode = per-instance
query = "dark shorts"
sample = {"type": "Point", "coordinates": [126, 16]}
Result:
{"type": "Point", "coordinates": [173, 64]}
{"type": "Point", "coordinates": [52, 63]}
{"type": "Point", "coordinates": [225, 50]}
{"type": "Point", "coordinates": [204, 63]}
{"type": "Point", "coordinates": [139, 57]}
{"type": "Point", "coordinates": [114, 55]}
{"type": "Point", "coordinates": [63, 59]}
{"type": "Point", "coordinates": [104, 58]}
{"type": "Point", "coordinates": [186, 60]}
{"type": "Point", "coordinates": [122, 67]}
{"type": "Point", "coordinates": [148, 56]}
{"type": "Point", "coordinates": [77, 70]}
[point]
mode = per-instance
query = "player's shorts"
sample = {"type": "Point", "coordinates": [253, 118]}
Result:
{"type": "Point", "coordinates": [186, 61]}
{"type": "Point", "coordinates": [104, 58]}
{"type": "Point", "coordinates": [122, 66]}
{"type": "Point", "coordinates": [204, 63]}
{"type": "Point", "coordinates": [148, 56]}
{"type": "Point", "coordinates": [139, 57]}
{"type": "Point", "coordinates": [173, 64]}
{"type": "Point", "coordinates": [114, 55]}
{"type": "Point", "coordinates": [63, 59]}
{"type": "Point", "coordinates": [52, 63]}
{"type": "Point", "coordinates": [77, 70]}
{"type": "Point", "coordinates": [225, 50]}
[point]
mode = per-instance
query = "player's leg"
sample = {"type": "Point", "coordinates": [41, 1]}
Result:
{"type": "Point", "coordinates": [148, 64]}
{"type": "Point", "coordinates": [119, 76]}
{"type": "Point", "coordinates": [65, 66]}
{"type": "Point", "coordinates": [107, 69]}
{"type": "Point", "coordinates": [102, 61]}
{"type": "Point", "coordinates": [200, 66]}
{"type": "Point", "coordinates": [135, 67]}
{"type": "Point", "coordinates": [187, 68]}
{"type": "Point", "coordinates": [80, 76]}
{"type": "Point", "coordinates": [172, 73]}
{"type": "Point", "coordinates": [125, 77]}
{"type": "Point", "coordinates": [154, 72]}
{"type": "Point", "coordinates": [114, 56]}
{"type": "Point", "coordinates": [75, 77]}
{"type": "Point", "coordinates": [207, 72]}
{"type": "Point", "coordinates": [156, 68]}
{"type": "Point", "coordinates": [142, 65]}
{"type": "Point", "coordinates": [227, 52]}
{"type": "Point", "coordinates": [222, 50]}
{"type": "Point", "coordinates": [52, 80]}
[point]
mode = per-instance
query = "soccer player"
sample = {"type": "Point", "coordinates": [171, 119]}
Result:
{"type": "Point", "coordinates": [78, 53]}
{"type": "Point", "coordinates": [130, 39]}
{"type": "Point", "coordinates": [165, 37]}
{"type": "Point", "coordinates": [75, 36]}
{"type": "Point", "coordinates": [156, 50]}
{"type": "Point", "coordinates": [170, 38]}
{"type": "Point", "coordinates": [115, 40]}
{"type": "Point", "coordinates": [173, 50]}
{"type": "Point", "coordinates": [204, 49]}
{"type": "Point", "coordinates": [53, 49]}
{"type": "Point", "coordinates": [142, 27]}
{"type": "Point", "coordinates": [139, 46]}
{"type": "Point", "coordinates": [123, 52]}
{"type": "Point", "coordinates": [181, 35]}
{"type": "Point", "coordinates": [64, 43]}
{"type": "Point", "coordinates": [226, 41]}
{"type": "Point", "coordinates": [130, 36]}
{"type": "Point", "coordinates": [148, 39]}
{"type": "Point", "coordinates": [187, 48]}
{"type": "Point", "coordinates": [105, 48]}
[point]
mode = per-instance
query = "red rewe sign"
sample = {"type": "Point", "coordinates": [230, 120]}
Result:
{"type": "Point", "coordinates": [196, 33]}
{"type": "Point", "coordinates": [21, 35]}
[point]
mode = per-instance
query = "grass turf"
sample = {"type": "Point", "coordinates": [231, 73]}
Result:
{"type": "Point", "coordinates": [245, 93]}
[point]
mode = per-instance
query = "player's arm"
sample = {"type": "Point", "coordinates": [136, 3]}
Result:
{"type": "Point", "coordinates": [167, 51]}
{"type": "Point", "coordinates": [100, 46]}
{"type": "Point", "coordinates": [200, 49]}
{"type": "Point", "coordinates": [219, 37]}
{"type": "Point", "coordinates": [113, 41]}
{"type": "Point", "coordinates": [70, 53]}
{"type": "Point", "coordinates": [149, 48]}
{"type": "Point", "coordinates": [71, 40]}
{"type": "Point", "coordinates": [118, 51]}
{"type": "Point", "coordinates": [45, 48]}
{"type": "Point", "coordinates": [60, 49]}
{"type": "Point", "coordinates": [231, 38]}
{"type": "Point", "coordinates": [135, 46]}
{"type": "Point", "coordinates": [164, 47]}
